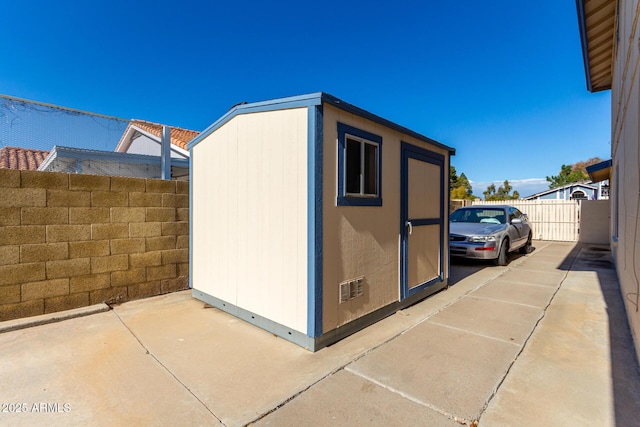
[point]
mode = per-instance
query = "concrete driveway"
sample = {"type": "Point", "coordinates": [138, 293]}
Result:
{"type": "Point", "coordinates": [543, 341]}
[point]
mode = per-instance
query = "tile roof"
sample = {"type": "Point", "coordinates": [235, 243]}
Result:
{"type": "Point", "coordinates": [179, 136]}
{"type": "Point", "coordinates": [21, 158]}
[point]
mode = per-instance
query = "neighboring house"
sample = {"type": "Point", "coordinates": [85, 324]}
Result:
{"type": "Point", "coordinates": [609, 31]}
{"type": "Point", "coordinates": [21, 158]}
{"type": "Point", "coordinates": [574, 191]}
{"type": "Point", "coordinates": [313, 218]}
{"type": "Point", "coordinates": [97, 162]}
{"type": "Point", "coordinates": [137, 155]}
{"type": "Point", "coordinates": [142, 137]}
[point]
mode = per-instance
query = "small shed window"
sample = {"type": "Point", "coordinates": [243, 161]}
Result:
{"type": "Point", "coordinates": [359, 167]}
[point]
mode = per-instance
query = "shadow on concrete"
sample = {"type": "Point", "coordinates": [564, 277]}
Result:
{"type": "Point", "coordinates": [461, 268]}
{"type": "Point", "coordinates": [625, 371]}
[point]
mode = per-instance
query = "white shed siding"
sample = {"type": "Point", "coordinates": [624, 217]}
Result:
{"type": "Point", "coordinates": [250, 196]}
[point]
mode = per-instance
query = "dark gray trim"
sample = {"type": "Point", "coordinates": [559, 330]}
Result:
{"type": "Point", "coordinates": [582, 24]}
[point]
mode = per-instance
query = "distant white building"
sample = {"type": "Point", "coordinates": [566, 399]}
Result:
{"type": "Point", "coordinates": [574, 191]}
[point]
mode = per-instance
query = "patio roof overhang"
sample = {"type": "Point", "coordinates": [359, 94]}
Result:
{"type": "Point", "coordinates": [600, 171]}
{"type": "Point", "coordinates": [597, 22]}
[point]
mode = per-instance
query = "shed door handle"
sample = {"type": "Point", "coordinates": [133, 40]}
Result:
{"type": "Point", "coordinates": [409, 226]}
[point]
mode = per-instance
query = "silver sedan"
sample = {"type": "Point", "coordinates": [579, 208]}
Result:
{"type": "Point", "coordinates": [488, 232]}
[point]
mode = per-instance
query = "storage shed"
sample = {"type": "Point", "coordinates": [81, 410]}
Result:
{"type": "Point", "coordinates": [312, 218]}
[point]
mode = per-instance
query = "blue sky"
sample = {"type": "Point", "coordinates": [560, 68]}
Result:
{"type": "Point", "coordinates": [501, 81]}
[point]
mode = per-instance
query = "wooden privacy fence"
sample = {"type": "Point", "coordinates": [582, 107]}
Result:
{"type": "Point", "coordinates": [549, 219]}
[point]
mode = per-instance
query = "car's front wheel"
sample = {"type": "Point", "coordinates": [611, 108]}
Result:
{"type": "Point", "coordinates": [503, 256]}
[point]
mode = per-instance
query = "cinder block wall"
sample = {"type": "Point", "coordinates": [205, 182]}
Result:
{"type": "Point", "coordinates": [69, 240]}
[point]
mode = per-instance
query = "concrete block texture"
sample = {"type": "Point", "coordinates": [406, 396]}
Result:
{"type": "Point", "coordinates": [182, 200]}
{"type": "Point", "coordinates": [44, 216]}
{"type": "Point", "coordinates": [89, 282]}
{"type": "Point", "coordinates": [137, 199]}
{"type": "Point", "coordinates": [161, 272]}
{"type": "Point", "coordinates": [182, 187]}
{"type": "Point", "coordinates": [108, 295]}
{"type": "Point", "coordinates": [10, 294]}
{"type": "Point", "coordinates": [21, 309]}
{"type": "Point", "coordinates": [9, 216]}
{"type": "Point", "coordinates": [21, 273]}
{"type": "Point", "coordinates": [89, 215]}
{"type": "Point", "coordinates": [45, 289]}
{"type": "Point", "coordinates": [66, 198]}
{"type": "Point", "coordinates": [68, 240]}
{"type": "Point", "coordinates": [109, 263]}
{"type": "Point", "coordinates": [169, 200]}
{"type": "Point", "coordinates": [160, 214]}
{"type": "Point", "coordinates": [89, 182]}
{"type": "Point", "coordinates": [48, 180]}
{"type": "Point", "coordinates": [68, 268]}
{"type": "Point", "coordinates": [160, 186]}
{"type": "Point", "coordinates": [88, 249]}
{"type": "Point", "coordinates": [21, 235]}
{"type": "Point", "coordinates": [9, 255]}
{"type": "Point", "coordinates": [68, 233]}
{"type": "Point", "coordinates": [145, 229]}
{"type": "Point", "coordinates": [109, 199]}
{"type": "Point", "coordinates": [175, 228]}
{"type": "Point", "coordinates": [21, 197]}
{"type": "Point", "coordinates": [173, 285]}
{"type": "Point", "coordinates": [174, 256]}
{"type": "Point", "coordinates": [160, 243]}
{"type": "Point", "coordinates": [127, 215]}
{"type": "Point", "coordinates": [182, 214]}
{"type": "Point", "coordinates": [125, 184]}
{"type": "Point", "coordinates": [109, 231]}
{"type": "Point", "coordinates": [142, 290]}
{"type": "Point", "coordinates": [128, 277]}
{"type": "Point", "coordinates": [66, 302]}
{"type": "Point", "coordinates": [127, 246]}
{"type": "Point", "coordinates": [145, 259]}
{"type": "Point", "coordinates": [9, 178]}
{"type": "Point", "coordinates": [43, 252]}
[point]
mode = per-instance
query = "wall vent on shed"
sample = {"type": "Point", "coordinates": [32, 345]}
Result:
{"type": "Point", "coordinates": [350, 289]}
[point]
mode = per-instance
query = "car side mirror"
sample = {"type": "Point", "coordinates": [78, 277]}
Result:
{"type": "Point", "coordinates": [516, 221]}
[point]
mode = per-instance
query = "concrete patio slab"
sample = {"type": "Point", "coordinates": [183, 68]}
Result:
{"type": "Point", "coordinates": [580, 361]}
{"type": "Point", "coordinates": [89, 371]}
{"type": "Point", "coordinates": [534, 276]}
{"type": "Point", "coordinates": [168, 360]}
{"type": "Point", "coordinates": [451, 371]}
{"type": "Point", "coordinates": [505, 321]}
{"type": "Point", "coordinates": [518, 293]}
{"type": "Point", "coordinates": [346, 399]}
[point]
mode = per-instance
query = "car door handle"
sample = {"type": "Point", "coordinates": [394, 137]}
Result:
{"type": "Point", "coordinates": [409, 226]}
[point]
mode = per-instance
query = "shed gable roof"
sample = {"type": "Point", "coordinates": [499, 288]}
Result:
{"type": "Point", "coordinates": [308, 100]}
{"type": "Point", "coordinates": [21, 158]}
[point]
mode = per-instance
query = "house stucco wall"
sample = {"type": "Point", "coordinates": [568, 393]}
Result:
{"type": "Point", "coordinates": [625, 183]}
{"type": "Point", "coordinates": [71, 240]}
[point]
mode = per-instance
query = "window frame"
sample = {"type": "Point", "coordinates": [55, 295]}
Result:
{"type": "Point", "coordinates": [363, 137]}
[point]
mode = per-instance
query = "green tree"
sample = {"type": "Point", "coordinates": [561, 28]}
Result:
{"type": "Point", "coordinates": [569, 174]}
{"type": "Point", "coordinates": [502, 193]}
{"type": "Point", "coordinates": [566, 176]}
{"type": "Point", "coordinates": [459, 186]}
